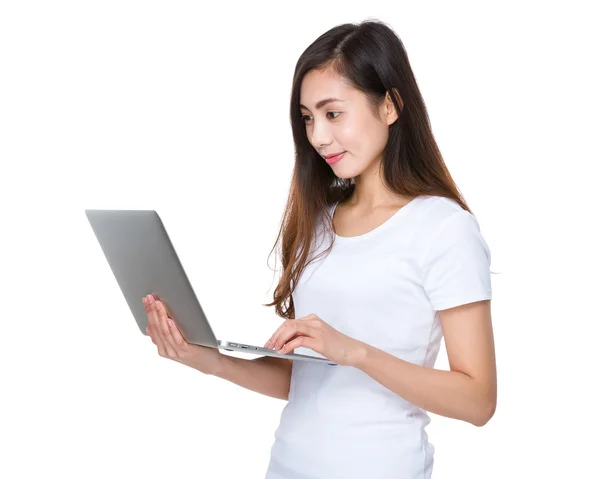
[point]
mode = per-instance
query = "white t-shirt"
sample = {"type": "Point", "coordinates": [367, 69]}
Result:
{"type": "Point", "coordinates": [383, 288]}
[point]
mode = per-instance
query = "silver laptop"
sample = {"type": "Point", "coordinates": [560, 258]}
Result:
{"type": "Point", "coordinates": [143, 261]}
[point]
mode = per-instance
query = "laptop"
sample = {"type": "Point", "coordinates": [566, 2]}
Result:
{"type": "Point", "coordinates": [143, 261]}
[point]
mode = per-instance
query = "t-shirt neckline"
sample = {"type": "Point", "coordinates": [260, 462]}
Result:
{"type": "Point", "coordinates": [378, 229]}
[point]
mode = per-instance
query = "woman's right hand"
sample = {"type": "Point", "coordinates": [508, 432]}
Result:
{"type": "Point", "coordinates": [164, 333]}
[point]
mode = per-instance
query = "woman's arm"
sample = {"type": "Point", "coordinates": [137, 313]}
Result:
{"type": "Point", "coordinates": [267, 375]}
{"type": "Point", "coordinates": [468, 390]}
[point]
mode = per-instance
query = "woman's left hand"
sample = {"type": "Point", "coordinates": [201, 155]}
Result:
{"type": "Point", "coordinates": [312, 332]}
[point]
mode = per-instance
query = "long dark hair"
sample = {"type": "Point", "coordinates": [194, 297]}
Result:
{"type": "Point", "coordinates": [372, 58]}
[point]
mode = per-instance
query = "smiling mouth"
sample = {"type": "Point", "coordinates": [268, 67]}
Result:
{"type": "Point", "coordinates": [335, 158]}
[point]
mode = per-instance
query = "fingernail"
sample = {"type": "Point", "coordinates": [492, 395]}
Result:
{"type": "Point", "coordinates": [268, 345]}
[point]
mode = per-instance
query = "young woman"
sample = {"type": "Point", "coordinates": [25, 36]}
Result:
{"type": "Point", "coordinates": [396, 261]}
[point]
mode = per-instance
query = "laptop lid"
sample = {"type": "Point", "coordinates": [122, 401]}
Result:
{"type": "Point", "coordinates": [143, 260]}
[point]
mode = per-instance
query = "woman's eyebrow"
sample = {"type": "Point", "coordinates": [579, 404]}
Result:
{"type": "Point", "coordinates": [322, 103]}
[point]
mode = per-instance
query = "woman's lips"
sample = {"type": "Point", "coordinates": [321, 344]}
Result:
{"type": "Point", "coordinates": [334, 159]}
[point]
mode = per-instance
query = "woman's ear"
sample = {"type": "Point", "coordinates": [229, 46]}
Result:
{"type": "Point", "coordinates": [391, 112]}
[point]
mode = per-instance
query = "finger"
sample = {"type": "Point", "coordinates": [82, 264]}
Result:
{"type": "Point", "coordinates": [297, 328]}
{"type": "Point", "coordinates": [271, 342]}
{"type": "Point", "coordinates": [151, 329]}
{"type": "Point", "coordinates": [300, 342]}
{"type": "Point", "coordinates": [153, 320]}
{"type": "Point", "coordinates": [177, 336]}
{"type": "Point", "coordinates": [163, 331]}
{"type": "Point", "coordinates": [150, 333]}
{"type": "Point", "coordinates": [278, 332]}
{"type": "Point", "coordinates": [172, 333]}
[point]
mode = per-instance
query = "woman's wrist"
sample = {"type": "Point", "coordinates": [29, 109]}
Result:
{"type": "Point", "coordinates": [359, 355]}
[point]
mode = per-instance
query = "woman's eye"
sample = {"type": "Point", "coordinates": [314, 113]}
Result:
{"type": "Point", "coordinates": [305, 117]}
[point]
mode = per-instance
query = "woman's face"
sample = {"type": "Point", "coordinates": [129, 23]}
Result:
{"type": "Point", "coordinates": [345, 125]}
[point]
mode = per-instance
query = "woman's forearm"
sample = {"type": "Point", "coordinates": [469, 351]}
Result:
{"type": "Point", "coordinates": [446, 393]}
{"type": "Point", "coordinates": [266, 375]}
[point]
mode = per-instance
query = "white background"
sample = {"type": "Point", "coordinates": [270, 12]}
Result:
{"type": "Point", "coordinates": [183, 107]}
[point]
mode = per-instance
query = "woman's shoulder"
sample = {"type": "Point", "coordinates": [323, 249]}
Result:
{"type": "Point", "coordinates": [437, 209]}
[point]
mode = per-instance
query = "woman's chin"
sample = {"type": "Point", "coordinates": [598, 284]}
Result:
{"type": "Point", "coordinates": [343, 173]}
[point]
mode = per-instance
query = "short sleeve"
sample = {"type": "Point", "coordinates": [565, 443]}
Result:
{"type": "Point", "coordinates": [456, 263]}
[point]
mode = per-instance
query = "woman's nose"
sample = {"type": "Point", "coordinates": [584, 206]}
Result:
{"type": "Point", "coordinates": [321, 137]}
